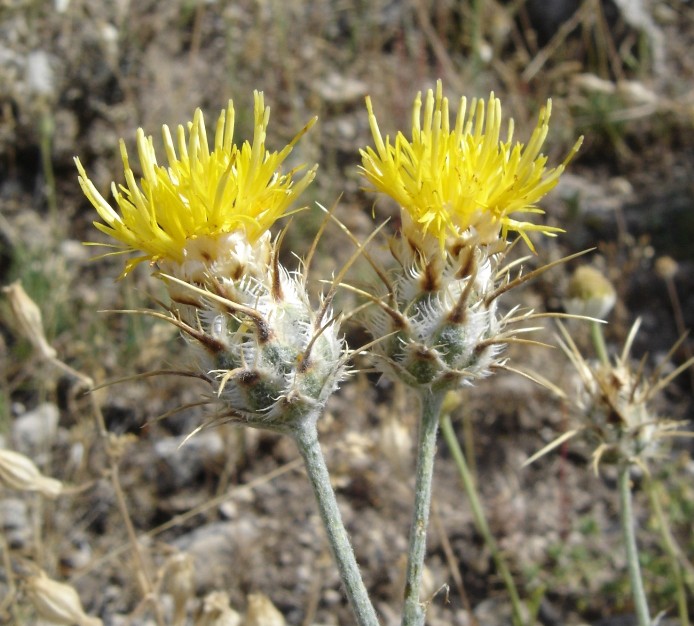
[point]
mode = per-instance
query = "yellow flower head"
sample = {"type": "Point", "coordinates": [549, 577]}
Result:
{"type": "Point", "coordinates": [202, 193]}
{"type": "Point", "coordinates": [462, 181]}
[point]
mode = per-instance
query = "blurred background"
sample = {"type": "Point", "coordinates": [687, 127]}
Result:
{"type": "Point", "coordinates": [75, 76]}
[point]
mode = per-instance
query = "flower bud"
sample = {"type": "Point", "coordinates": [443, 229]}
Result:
{"type": "Point", "coordinates": [666, 267]}
{"type": "Point", "coordinates": [19, 472]}
{"type": "Point", "coordinates": [590, 293]}
{"type": "Point", "coordinates": [58, 602]}
{"type": "Point", "coordinates": [28, 317]}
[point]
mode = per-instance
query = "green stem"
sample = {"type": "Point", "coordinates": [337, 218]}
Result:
{"type": "Point", "coordinates": [476, 31]}
{"type": "Point", "coordinates": [480, 518]}
{"type": "Point", "coordinates": [306, 437]}
{"type": "Point", "coordinates": [671, 548]}
{"type": "Point", "coordinates": [599, 342]}
{"type": "Point", "coordinates": [627, 521]}
{"type": "Point", "coordinates": [47, 130]}
{"type": "Point", "coordinates": [414, 610]}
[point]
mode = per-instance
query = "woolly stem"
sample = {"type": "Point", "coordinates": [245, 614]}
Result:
{"type": "Point", "coordinates": [414, 611]}
{"type": "Point", "coordinates": [306, 437]}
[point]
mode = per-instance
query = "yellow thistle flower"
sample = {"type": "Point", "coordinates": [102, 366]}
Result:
{"type": "Point", "coordinates": [461, 181]}
{"type": "Point", "coordinates": [202, 193]}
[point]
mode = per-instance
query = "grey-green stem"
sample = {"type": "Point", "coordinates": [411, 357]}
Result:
{"type": "Point", "coordinates": [306, 437]}
{"type": "Point", "coordinates": [629, 535]}
{"type": "Point", "coordinates": [414, 611]}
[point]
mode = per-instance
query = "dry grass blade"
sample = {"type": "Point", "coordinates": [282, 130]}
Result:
{"type": "Point", "coordinates": [533, 274]}
{"type": "Point", "coordinates": [181, 519]}
{"type": "Point", "coordinates": [566, 28]}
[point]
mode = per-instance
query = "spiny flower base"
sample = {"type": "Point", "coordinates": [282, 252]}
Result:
{"type": "Point", "coordinates": [441, 322]}
{"type": "Point", "coordinates": [274, 358]}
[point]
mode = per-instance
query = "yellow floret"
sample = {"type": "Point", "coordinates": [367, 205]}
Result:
{"type": "Point", "coordinates": [463, 180]}
{"type": "Point", "coordinates": [202, 192]}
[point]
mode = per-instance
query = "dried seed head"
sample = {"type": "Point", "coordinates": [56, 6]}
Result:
{"type": "Point", "coordinates": [614, 405]}
{"type": "Point", "coordinates": [590, 293]}
{"type": "Point", "coordinates": [666, 267]}
{"type": "Point", "coordinates": [28, 317]}
{"type": "Point", "coordinates": [262, 612]}
{"type": "Point", "coordinates": [19, 472]}
{"type": "Point", "coordinates": [58, 602]}
{"type": "Point", "coordinates": [179, 583]}
{"type": "Point", "coordinates": [217, 612]}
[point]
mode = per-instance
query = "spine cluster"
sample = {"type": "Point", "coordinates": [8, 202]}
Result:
{"type": "Point", "coordinates": [440, 322]}
{"type": "Point", "coordinates": [275, 359]}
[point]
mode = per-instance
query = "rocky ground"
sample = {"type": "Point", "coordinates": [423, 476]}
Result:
{"type": "Point", "coordinates": [234, 506]}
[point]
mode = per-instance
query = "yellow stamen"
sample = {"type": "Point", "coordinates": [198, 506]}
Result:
{"type": "Point", "coordinates": [201, 193]}
{"type": "Point", "coordinates": [451, 182]}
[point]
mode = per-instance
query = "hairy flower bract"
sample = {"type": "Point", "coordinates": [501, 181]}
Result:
{"type": "Point", "coordinates": [462, 181]}
{"type": "Point", "coordinates": [202, 193]}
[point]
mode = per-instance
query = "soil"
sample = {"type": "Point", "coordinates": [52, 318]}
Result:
{"type": "Point", "coordinates": [77, 76]}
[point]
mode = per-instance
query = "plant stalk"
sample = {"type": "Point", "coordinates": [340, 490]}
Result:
{"type": "Point", "coordinates": [414, 611]}
{"type": "Point", "coordinates": [47, 130]}
{"type": "Point", "coordinates": [480, 518]}
{"type": "Point", "coordinates": [627, 520]}
{"type": "Point", "coordinates": [671, 548]}
{"type": "Point", "coordinates": [598, 338]}
{"type": "Point", "coordinates": [306, 437]}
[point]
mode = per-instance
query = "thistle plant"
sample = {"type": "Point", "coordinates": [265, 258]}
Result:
{"type": "Point", "coordinates": [272, 359]}
{"type": "Point", "coordinates": [613, 402]}
{"type": "Point", "coordinates": [203, 222]}
{"type": "Point", "coordinates": [462, 191]}
{"type": "Point", "coordinates": [614, 416]}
